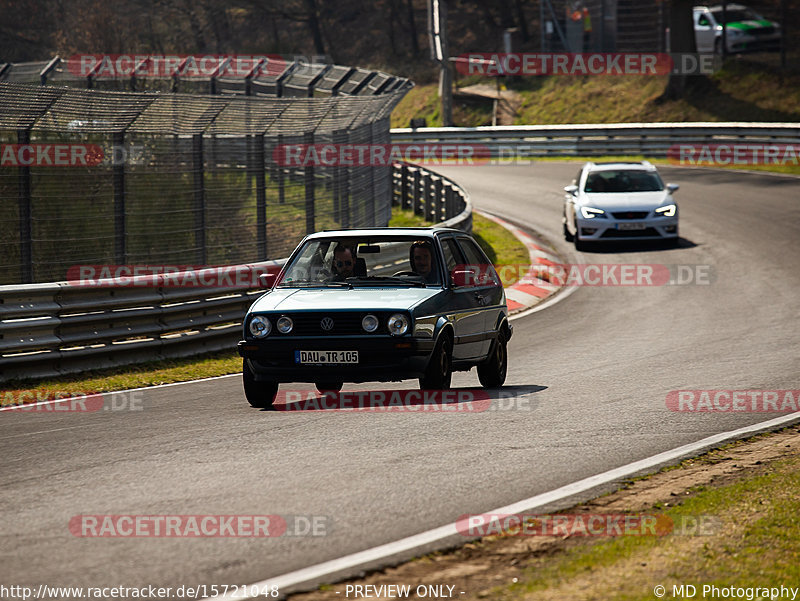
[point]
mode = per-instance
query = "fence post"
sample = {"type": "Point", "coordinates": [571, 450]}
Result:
{"type": "Point", "coordinates": [437, 202]}
{"type": "Point", "coordinates": [417, 197]}
{"type": "Point", "coordinates": [426, 195]}
{"type": "Point", "coordinates": [308, 181]}
{"type": "Point", "coordinates": [405, 200]}
{"type": "Point", "coordinates": [199, 198]}
{"type": "Point", "coordinates": [281, 175]}
{"type": "Point", "coordinates": [339, 173]}
{"type": "Point", "coordinates": [448, 201]}
{"type": "Point", "coordinates": [261, 196]}
{"type": "Point", "coordinates": [118, 178]}
{"type": "Point", "coordinates": [25, 215]}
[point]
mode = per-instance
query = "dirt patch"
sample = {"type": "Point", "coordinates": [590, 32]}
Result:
{"type": "Point", "coordinates": [477, 567]}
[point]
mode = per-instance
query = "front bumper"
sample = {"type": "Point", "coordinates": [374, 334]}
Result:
{"type": "Point", "coordinates": [660, 228]}
{"type": "Point", "coordinates": [381, 358]}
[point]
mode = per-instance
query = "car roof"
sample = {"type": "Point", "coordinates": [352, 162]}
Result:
{"type": "Point", "coordinates": [420, 232]}
{"type": "Point", "coordinates": [718, 7]}
{"type": "Point", "coordinates": [630, 166]}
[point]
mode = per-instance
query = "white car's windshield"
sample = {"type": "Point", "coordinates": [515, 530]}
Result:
{"type": "Point", "coordinates": [623, 181]}
{"type": "Point", "coordinates": [386, 261]}
{"type": "Point", "coordinates": [733, 16]}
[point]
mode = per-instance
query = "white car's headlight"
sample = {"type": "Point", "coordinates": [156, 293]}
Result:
{"type": "Point", "coordinates": [285, 324]}
{"type": "Point", "coordinates": [667, 210]}
{"type": "Point", "coordinates": [591, 213]}
{"type": "Point", "coordinates": [398, 324]}
{"type": "Point", "coordinates": [260, 326]}
{"type": "Point", "coordinates": [369, 323]}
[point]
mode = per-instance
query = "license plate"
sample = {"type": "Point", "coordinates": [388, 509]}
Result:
{"type": "Point", "coordinates": [631, 226]}
{"type": "Point", "coordinates": [325, 357]}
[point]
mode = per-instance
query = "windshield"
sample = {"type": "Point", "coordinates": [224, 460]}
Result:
{"type": "Point", "coordinates": [732, 16]}
{"type": "Point", "coordinates": [623, 181]}
{"type": "Point", "coordinates": [385, 261]}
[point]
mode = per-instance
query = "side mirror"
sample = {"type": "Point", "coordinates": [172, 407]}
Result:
{"type": "Point", "coordinates": [672, 188]}
{"type": "Point", "coordinates": [571, 190]}
{"type": "Point", "coordinates": [463, 277]}
{"type": "Point", "coordinates": [267, 280]}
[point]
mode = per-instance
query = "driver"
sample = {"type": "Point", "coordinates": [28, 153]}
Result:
{"type": "Point", "coordinates": [421, 258]}
{"type": "Point", "coordinates": [343, 263]}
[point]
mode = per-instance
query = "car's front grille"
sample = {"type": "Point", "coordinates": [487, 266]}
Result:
{"type": "Point", "coordinates": [345, 323]}
{"type": "Point", "coordinates": [649, 231]}
{"type": "Point", "coordinates": [630, 214]}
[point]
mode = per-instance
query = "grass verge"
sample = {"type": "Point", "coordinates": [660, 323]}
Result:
{"type": "Point", "coordinates": [497, 242]}
{"type": "Point", "coordinates": [745, 89]}
{"type": "Point", "coordinates": [756, 533]}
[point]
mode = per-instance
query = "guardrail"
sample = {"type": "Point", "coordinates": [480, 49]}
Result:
{"type": "Point", "coordinates": [648, 139]}
{"type": "Point", "coordinates": [59, 328]}
{"type": "Point", "coordinates": [436, 198]}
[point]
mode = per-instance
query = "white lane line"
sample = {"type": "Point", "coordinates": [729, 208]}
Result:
{"type": "Point", "coordinates": [316, 573]}
{"type": "Point", "coordinates": [94, 394]}
{"type": "Point", "coordinates": [45, 431]}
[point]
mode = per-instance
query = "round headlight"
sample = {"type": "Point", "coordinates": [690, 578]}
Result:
{"type": "Point", "coordinates": [285, 324]}
{"type": "Point", "coordinates": [369, 323]}
{"type": "Point", "coordinates": [398, 324]}
{"type": "Point", "coordinates": [260, 326]}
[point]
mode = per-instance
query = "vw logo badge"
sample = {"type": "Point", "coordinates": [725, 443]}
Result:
{"type": "Point", "coordinates": [326, 324]}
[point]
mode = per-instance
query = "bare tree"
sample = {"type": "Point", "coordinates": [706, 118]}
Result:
{"type": "Point", "coordinates": [681, 39]}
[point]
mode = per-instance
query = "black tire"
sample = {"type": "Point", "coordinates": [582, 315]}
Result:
{"type": "Point", "coordinates": [567, 236]}
{"type": "Point", "coordinates": [324, 387]}
{"type": "Point", "coordinates": [440, 369]}
{"type": "Point", "coordinates": [580, 245]}
{"type": "Point", "coordinates": [492, 371]}
{"type": "Point", "coordinates": [258, 394]}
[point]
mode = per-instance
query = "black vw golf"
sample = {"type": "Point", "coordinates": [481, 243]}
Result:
{"type": "Point", "coordinates": [377, 304]}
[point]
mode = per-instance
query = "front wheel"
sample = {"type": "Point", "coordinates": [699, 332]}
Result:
{"type": "Point", "coordinates": [440, 369]}
{"type": "Point", "coordinates": [258, 394]}
{"type": "Point", "coordinates": [324, 387]}
{"type": "Point", "coordinates": [492, 371]}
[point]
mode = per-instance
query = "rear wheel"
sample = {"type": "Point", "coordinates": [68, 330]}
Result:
{"type": "Point", "coordinates": [492, 371]}
{"type": "Point", "coordinates": [258, 394]}
{"type": "Point", "coordinates": [324, 387]}
{"type": "Point", "coordinates": [440, 369]}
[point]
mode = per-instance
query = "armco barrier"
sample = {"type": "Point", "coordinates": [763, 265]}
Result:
{"type": "Point", "coordinates": [58, 328]}
{"type": "Point", "coordinates": [648, 139]}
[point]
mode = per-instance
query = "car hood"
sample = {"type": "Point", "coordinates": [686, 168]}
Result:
{"type": "Point", "coordinates": [356, 299]}
{"type": "Point", "coordinates": [643, 201]}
